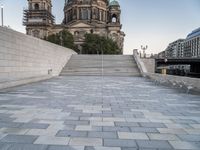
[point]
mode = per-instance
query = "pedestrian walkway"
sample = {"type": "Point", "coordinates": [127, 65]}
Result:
{"type": "Point", "coordinates": [98, 113]}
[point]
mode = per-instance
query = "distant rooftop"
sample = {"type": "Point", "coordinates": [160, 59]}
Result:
{"type": "Point", "coordinates": [194, 33]}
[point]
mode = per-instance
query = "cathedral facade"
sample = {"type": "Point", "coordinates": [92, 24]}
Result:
{"type": "Point", "coordinates": [100, 17]}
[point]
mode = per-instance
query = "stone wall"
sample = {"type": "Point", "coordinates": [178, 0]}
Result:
{"type": "Point", "coordinates": [184, 83]}
{"type": "Point", "coordinates": [149, 64]}
{"type": "Point", "coordinates": [23, 57]}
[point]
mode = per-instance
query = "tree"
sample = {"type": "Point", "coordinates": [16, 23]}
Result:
{"type": "Point", "coordinates": [63, 38]}
{"type": "Point", "coordinates": [95, 44]}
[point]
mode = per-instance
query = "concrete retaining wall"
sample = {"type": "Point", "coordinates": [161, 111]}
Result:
{"type": "Point", "coordinates": [149, 64]}
{"type": "Point", "coordinates": [25, 58]}
{"type": "Point", "coordinates": [185, 83]}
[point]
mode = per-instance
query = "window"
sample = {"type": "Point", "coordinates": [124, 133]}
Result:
{"type": "Point", "coordinates": [84, 14]}
{"type": "Point", "coordinates": [114, 18]}
{"type": "Point", "coordinates": [36, 6]}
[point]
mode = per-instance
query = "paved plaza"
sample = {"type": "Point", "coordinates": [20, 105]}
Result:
{"type": "Point", "coordinates": [95, 113]}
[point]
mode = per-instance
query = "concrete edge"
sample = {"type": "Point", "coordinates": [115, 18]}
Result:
{"type": "Point", "coordinates": [139, 63]}
{"type": "Point", "coordinates": [186, 84]}
{"type": "Point", "coordinates": [14, 83]}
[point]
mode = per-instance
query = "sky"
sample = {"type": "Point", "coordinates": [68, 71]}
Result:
{"type": "Point", "coordinates": [155, 23]}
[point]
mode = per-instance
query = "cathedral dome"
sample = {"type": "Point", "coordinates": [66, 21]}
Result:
{"type": "Point", "coordinates": [114, 3]}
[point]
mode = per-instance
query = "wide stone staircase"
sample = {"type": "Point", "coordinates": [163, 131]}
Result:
{"type": "Point", "coordinates": [98, 65]}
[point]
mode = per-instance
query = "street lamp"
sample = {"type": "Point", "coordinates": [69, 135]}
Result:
{"type": "Point", "coordinates": [2, 15]}
{"type": "Point", "coordinates": [144, 48]}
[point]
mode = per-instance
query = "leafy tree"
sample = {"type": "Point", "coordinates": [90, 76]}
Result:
{"type": "Point", "coordinates": [95, 44]}
{"type": "Point", "coordinates": [63, 38]}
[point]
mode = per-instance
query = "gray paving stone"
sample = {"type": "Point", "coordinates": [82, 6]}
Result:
{"type": "Point", "coordinates": [19, 139]}
{"type": "Point", "coordinates": [143, 149]}
{"type": "Point", "coordinates": [102, 148]}
{"type": "Point", "coordinates": [110, 129]}
{"type": "Point", "coordinates": [58, 147]}
{"type": "Point", "coordinates": [10, 124]}
{"type": "Point", "coordinates": [89, 148]}
{"type": "Point", "coordinates": [152, 125]}
{"type": "Point", "coordinates": [189, 137]}
{"type": "Point", "coordinates": [34, 126]}
{"type": "Point", "coordinates": [119, 143]}
{"type": "Point", "coordinates": [2, 136]}
{"type": "Point", "coordinates": [154, 144]}
{"type": "Point", "coordinates": [184, 145]}
{"type": "Point", "coordinates": [71, 133]}
{"type": "Point", "coordinates": [127, 124]}
{"type": "Point", "coordinates": [27, 147]}
{"type": "Point", "coordinates": [132, 148]}
{"type": "Point", "coordinates": [104, 135]}
{"type": "Point", "coordinates": [4, 146]}
{"type": "Point", "coordinates": [156, 111]}
{"type": "Point", "coordinates": [144, 129]}
{"type": "Point", "coordinates": [74, 122]}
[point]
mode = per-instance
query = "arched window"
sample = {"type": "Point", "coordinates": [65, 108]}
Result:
{"type": "Point", "coordinates": [114, 18]}
{"type": "Point", "coordinates": [76, 33]}
{"type": "Point", "coordinates": [36, 6]}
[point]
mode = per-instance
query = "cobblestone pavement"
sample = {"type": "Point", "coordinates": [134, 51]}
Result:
{"type": "Point", "coordinates": [84, 113]}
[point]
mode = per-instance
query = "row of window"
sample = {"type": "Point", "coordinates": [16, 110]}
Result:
{"type": "Point", "coordinates": [86, 14]}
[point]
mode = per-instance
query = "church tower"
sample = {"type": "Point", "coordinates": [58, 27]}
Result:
{"type": "Point", "coordinates": [38, 18]}
{"type": "Point", "coordinates": [114, 23]}
{"type": "Point", "coordinates": [114, 13]}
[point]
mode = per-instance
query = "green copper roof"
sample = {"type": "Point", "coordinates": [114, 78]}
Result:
{"type": "Point", "coordinates": [114, 3]}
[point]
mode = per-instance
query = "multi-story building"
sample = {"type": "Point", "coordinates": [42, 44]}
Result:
{"type": "Point", "coordinates": [80, 17]}
{"type": "Point", "coordinates": [192, 44]}
{"type": "Point", "coordinates": [161, 54]}
{"type": "Point", "coordinates": [175, 49]}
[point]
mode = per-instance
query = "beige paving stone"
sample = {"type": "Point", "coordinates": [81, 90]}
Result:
{"type": "Point", "coordinates": [165, 137]}
{"type": "Point", "coordinates": [23, 120]}
{"type": "Point", "coordinates": [16, 131]}
{"type": "Point", "coordinates": [83, 128]}
{"type": "Point", "coordinates": [51, 140]}
{"type": "Point", "coordinates": [114, 119]}
{"type": "Point", "coordinates": [161, 120]}
{"type": "Point", "coordinates": [92, 118]}
{"type": "Point", "coordinates": [107, 148]}
{"type": "Point", "coordinates": [42, 132]}
{"type": "Point", "coordinates": [134, 136]}
{"type": "Point", "coordinates": [86, 142]}
{"type": "Point", "coordinates": [171, 131]}
{"type": "Point", "coordinates": [102, 123]}
{"type": "Point", "coordinates": [174, 126]}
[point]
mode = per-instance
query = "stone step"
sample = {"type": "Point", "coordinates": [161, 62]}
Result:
{"type": "Point", "coordinates": [91, 65]}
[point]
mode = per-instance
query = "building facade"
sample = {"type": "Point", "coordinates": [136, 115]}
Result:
{"type": "Point", "coordinates": [100, 17]}
{"type": "Point", "coordinates": [192, 44]}
{"type": "Point", "coordinates": [175, 49]}
{"type": "Point", "coordinates": [187, 48]}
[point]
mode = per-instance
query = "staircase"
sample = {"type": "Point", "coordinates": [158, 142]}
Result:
{"type": "Point", "coordinates": [91, 65]}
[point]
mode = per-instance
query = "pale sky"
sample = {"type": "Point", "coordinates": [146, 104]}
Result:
{"type": "Point", "coordinates": [155, 23]}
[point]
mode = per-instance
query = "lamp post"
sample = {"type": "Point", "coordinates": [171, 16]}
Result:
{"type": "Point", "coordinates": [2, 15]}
{"type": "Point", "coordinates": [144, 48]}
